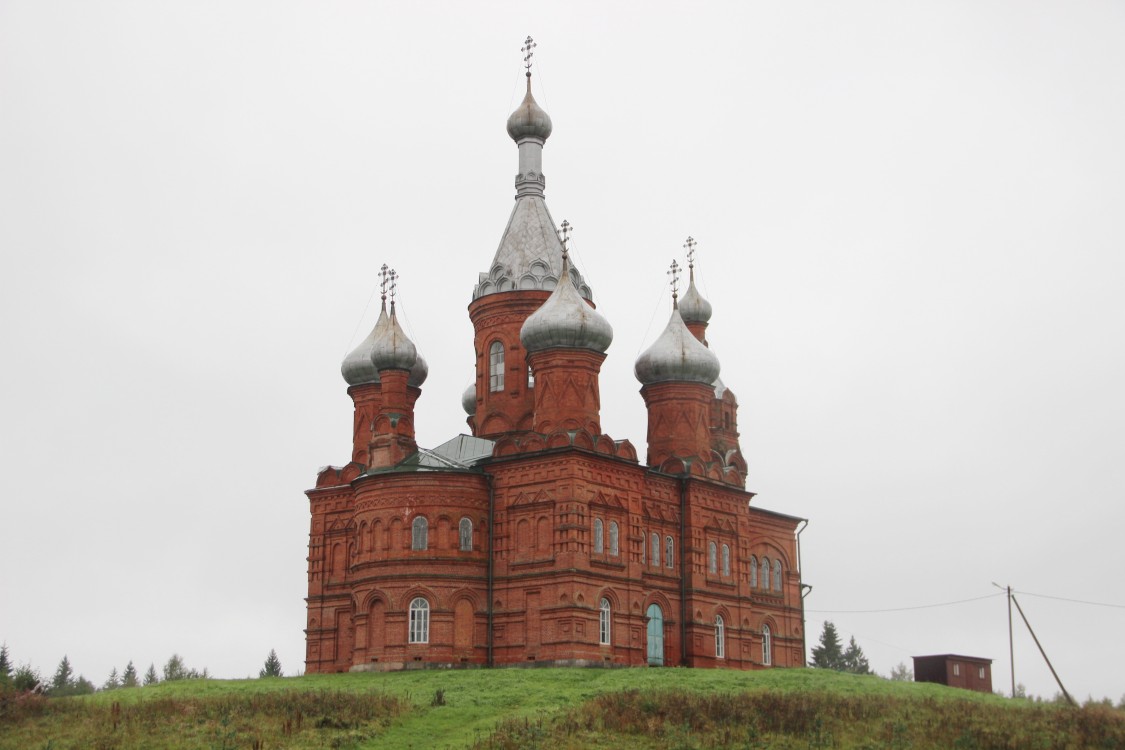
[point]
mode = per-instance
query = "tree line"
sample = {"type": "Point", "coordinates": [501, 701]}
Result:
{"type": "Point", "coordinates": [65, 681]}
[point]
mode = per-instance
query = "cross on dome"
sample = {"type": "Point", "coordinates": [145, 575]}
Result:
{"type": "Point", "coordinates": [528, 49]}
{"type": "Point", "coordinates": [689, 245]}
{"type": "Point", "coordinates": [674, 272]}
{"type": "Point", "coordinates": [383, 282]}
{"type": "Point", "coordinates": [564, 237]}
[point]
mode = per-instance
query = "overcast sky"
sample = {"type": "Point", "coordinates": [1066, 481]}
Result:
{"type": "Point", "coordinates": [911, 224]}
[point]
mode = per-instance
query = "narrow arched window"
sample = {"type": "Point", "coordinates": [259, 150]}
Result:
{"type": "Point", "coordinates": [644, 544]}
{"type": "Point", "coordinates": [465, 534]}
{"type": "Point", "coordinates": [777, 575]}
{"type": "Point", "coordinates": [720, 638]}
{"type": "Point", "coordinates": [614, 539]}
{"type": "Point", "coordinates": [656, 550]}
{"type": "Point", "coordinates": [605, 620]}
{"type": "Point", "coordinates": [599, 536]}
{"type": "Point", "coordinates": [530, 377]}
{"type": "Point", "coordinates": [753, 572]}
{"type": "Point", "coordinates": [767, 646]}
{"type": "Point", "coordinates": [669, 552]}
{"type": "Point", "coordinates": [419, 621]}
{"type": "Point", "coordinates": [420, 533]}
{"type": "Point", "coordinates": [496, 367]}
{"type": "Point", "coordinates": [764, 576]}
{"type": "Point", "coordinates": [726, 560]}
{"type": "Point", "coordinates": [712, 557]}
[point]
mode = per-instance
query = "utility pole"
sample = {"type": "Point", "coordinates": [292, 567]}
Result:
{"type": "Point", "coordinates": [1011, 647]}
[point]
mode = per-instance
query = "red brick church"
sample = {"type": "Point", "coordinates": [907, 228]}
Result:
{"type": "Point", "coordinates": [540, 539]}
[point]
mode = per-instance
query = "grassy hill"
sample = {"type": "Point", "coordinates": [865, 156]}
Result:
{"type": "Point", "coordinates": [670, 709]}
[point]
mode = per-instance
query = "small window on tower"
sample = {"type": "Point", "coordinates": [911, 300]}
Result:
{"type": "Point", "coordinates": [496, 367]}
{"type": "Point", "coordinates": [599, 537]}
{"type": "Point", "coordinates": [530, 377]}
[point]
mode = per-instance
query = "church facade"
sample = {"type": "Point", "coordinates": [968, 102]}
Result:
{"type": "Point", "coordinates": [539, 539]}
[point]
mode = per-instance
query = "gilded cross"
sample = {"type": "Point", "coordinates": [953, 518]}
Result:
{"type": "Point", "coordinates": [528, 50]}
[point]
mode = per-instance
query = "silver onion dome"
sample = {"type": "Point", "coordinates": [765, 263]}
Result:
{"type": "Point", "coordinates": [357, 368]}
{"type": "Point", "coordinates": [677, 355]}
{"type": "Point", "coordinates": [419, 372]}
{"type": "Point", "coordinates": [529, 120]}
{"type": "Point", "coordinates": [566, 321]}
{"type": "Point", "coordinates": [394, 350]}
{"type": "Point", "coordinates": [469, 399]}
{"type": "Point", "coordinates": [693, 308]}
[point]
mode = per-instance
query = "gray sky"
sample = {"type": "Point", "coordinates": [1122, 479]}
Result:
{"type": "Point", "coordinates": [910, 225]}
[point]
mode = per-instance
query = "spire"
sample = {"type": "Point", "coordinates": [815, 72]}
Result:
{"type": "Point", "coordinates": [530, 254]}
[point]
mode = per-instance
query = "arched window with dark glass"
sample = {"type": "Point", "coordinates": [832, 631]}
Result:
{"type": "Point", "coordinates": [419, 621]}
{"type": "Point", "coordinates": [726, 560]}
{"type": "Point", "coordinates": [764, 574]}
{"type": "Point", "coordinates": [669, 552]}
{"type": "Point", "coordinates": [712, 557]}
{"type": "Point", "coordinates": [465, 534]}
{"type": "Point", "coordinates": [420, 533]}
{"type": "Point", "coordinates": [767, 646]}
{"type": "Point", "coordinates": [614, 539]}
{"type": "Point", "coordinates": [753, 572]}
{"type": "Point", "coordinates": [496, 366]}
{"type": "Point", "coordinates": [720, 638]}
{"type": "Point", "coordinates": [777, 575]}
{"type": "Point", "coordinates": [599, 536]}
{"type": "Point", "coordinates": [656, 550]}
{"type": "Point", "coordinates": [605, 622]}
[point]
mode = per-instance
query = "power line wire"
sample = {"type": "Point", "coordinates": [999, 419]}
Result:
{"type": "Point", "coordinates": [900, 609]}
{"type": "Point", "coordinates": [1064, 599]}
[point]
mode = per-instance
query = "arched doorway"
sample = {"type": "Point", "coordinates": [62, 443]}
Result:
{"type": "Point", "coordinates": [655, 636]}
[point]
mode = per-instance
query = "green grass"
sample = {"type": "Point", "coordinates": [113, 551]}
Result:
{"type": "Point", "coordinates": [670, 709]}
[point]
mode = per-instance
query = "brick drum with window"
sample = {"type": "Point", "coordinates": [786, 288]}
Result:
{"type": "Point", "coordinates": [539, 538]}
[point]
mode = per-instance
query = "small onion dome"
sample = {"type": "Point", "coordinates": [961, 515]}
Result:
{"type": "Point", "coordinates": [529, 120]}
{"type": "Point", "coordinates": [693, 308]}
{"type": "Point", "coordinates": [357, 367]}
{"type": "Point", "coordinates": [566, 321]}
{"type": "Point", "coordinates": [677, 355]}
{"type": "Point", "coordinates": [418, 373]}
{"type": "Point", "coordinates": [469, 399]}
{"type": "Point", "coordinates": [393, 350]}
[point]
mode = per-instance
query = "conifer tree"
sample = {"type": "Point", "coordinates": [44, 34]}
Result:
{"type": "Point", "coordinates": [5, 665]}
{"type": "Point", "coordinates": [112, 682]}
{"type": "Point", "coordinates": [64, 677]}
{"type": "Point", "coordinates": [150, 675]}
{"type": "Point", "coordinates": [828, 655]}
{"type": "Point", "coordinates": [272, 666]}
{"type": "Point", "coordinates": [854, 661]}
{"type": "Point", "coordinates": [129, 678]}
